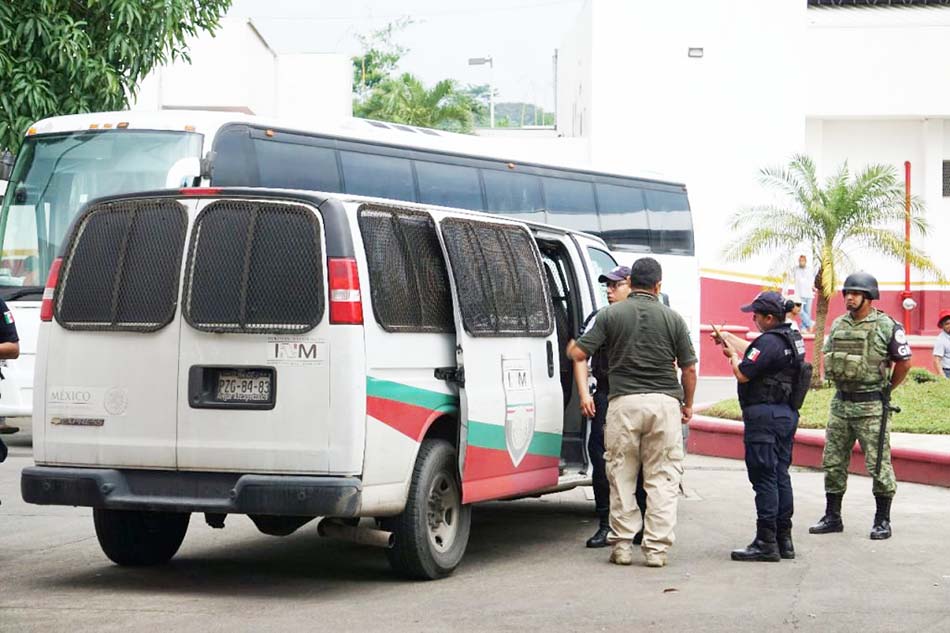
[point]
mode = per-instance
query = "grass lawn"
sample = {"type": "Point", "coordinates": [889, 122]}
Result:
{"type": "Point", "coordinates": [925, 408]}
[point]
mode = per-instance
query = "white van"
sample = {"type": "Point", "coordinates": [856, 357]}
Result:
{"type": "Point", "coordinates": [291, 355]}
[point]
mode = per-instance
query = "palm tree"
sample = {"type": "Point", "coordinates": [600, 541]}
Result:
{"type": "Point", "coordinates": [863, 211]}
{"type": "Point", "coordinates": [405, 99]}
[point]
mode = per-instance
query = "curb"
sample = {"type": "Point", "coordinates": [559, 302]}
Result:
{"type": "Point", "coordinates": [717, 437]}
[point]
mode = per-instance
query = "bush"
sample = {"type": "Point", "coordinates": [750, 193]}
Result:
{"type": "Point", "coordinates": [921, 375]}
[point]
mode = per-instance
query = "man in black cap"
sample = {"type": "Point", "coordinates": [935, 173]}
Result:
{"type": "Point", "coordinates": [593, 403]}
{"type": "Point", "coordinates": [767, 370]}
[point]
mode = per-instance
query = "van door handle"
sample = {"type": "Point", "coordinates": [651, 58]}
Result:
{"type": "Point", "coordinates": [550, 359]}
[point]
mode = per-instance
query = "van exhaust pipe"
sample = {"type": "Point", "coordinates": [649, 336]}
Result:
{"type": "Point", "coordinates": [332, 528]}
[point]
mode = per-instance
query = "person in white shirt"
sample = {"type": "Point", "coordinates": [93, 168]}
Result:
{"type": "Point", "coordinates": [942, 346]}
{"type": "Point", "coordinates": [803, 285]}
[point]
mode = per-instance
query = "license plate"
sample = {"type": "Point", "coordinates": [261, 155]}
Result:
{"type": "Point", "coordinates": [244, 386]}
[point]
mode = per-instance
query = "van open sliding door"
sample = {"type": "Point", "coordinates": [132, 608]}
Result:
{"type": "Point", "coordinates": [511, 400]}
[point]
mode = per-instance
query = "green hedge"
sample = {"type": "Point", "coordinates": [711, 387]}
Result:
{"type": "Point", "coordinates": [924, 401]}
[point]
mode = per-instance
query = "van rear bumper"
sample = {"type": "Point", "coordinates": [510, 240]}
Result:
{"type": "Point", "coordinates": [178, 491]}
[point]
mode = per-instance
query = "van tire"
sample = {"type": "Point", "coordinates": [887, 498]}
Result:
{"type": "Point", "coordinates": [136, 538]}
{"type": "Point", "coordinates": [422, 550]}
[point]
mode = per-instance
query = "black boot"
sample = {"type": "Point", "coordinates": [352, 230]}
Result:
{"type": "Point", "coordinates": [764, 548]}
{"type": "Point", "coordinates": [882, 519]}
{"type": "Point", "coordinates": [599, 539]}
{"type": "Point", "coordinates": [784, 537]}
{"type": "Point", "coordinates": [831, 522]}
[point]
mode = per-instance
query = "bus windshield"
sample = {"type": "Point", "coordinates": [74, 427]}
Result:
{"type": "Point", "coordinates": [55, 174]}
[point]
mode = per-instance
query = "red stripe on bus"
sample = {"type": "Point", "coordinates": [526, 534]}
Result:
{"type": "Point", "coordinates": [489, 474]}
{"type": "Point", "coordinates": [408, 419]}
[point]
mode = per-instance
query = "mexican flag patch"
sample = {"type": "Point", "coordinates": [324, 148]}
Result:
{"type": "Point", "coordinates": [8, 317]}
{"type": "Point", "coordinates": [753, 354]}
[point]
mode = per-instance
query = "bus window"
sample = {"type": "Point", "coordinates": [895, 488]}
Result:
{"type": "Point", "coordinates": [670, 222]}
{"type": "Point", "coordinates": [570, 203]}
{"type": "Point", "coordinates": [449, 185]}
{"type": "Point", "coordinates": [514, 194]}
{"type": "Point", "coordinates": [295, 166]}
{"type": "Point", "coordinates": [55, 174]}
{"type": "Point", "coordinates": [623, 217]}
{"type": "Point", "coordinates": [602, 262]}
{"type": "Point", "coordinates": [380, 176]}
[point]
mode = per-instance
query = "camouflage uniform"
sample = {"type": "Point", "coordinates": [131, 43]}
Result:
{"type": "Point", "coordinates": [858, 367]}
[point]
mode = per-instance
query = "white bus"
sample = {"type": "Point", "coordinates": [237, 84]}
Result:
{"type": "Point", "coordinates": [66, 161]}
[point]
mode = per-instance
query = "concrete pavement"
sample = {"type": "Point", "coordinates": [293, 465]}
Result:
{"type": "Point", "coordinates": [526, 568]}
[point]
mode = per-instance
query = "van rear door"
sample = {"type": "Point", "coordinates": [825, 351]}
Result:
{"type": "Point", "coordinates": [254, 375]}
{"type": "Point", "coordinates": [109, 385]}
{"type": "Point", "coordinates": [510, 391]}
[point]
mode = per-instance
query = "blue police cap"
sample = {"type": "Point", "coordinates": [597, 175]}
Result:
{"type": "Point", "coordinates": [767, 302]}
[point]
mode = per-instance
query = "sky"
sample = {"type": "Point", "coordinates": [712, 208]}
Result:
{"type": "Point", "coordinates": [519, 35]}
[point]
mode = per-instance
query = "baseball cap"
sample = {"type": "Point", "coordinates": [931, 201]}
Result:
{"type": "Point", "coordinates": [794, 299]}
{"type": "Point", "coordinates": [767, 302]}
{"type": "Point", "coordinates": [617, 274]}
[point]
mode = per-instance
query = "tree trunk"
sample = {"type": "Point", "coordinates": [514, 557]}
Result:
{"type": "Point", "coordinates": [821, 318]}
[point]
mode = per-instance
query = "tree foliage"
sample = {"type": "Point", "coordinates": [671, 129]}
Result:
{"type": "Point", "coordinates": [860, 211]}
{"type": "Point", "coordinates": [379, 59]}
{"type": "Point", "coordinates": [72, 56]}
{"type": "Point", "coordinates": [405, 99]}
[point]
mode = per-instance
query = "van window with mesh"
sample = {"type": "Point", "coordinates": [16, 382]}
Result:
{"type": "Point", "coordinates": [254, 267]}
{"type": "Point", "coordinates": [408, 279]}
{"type": "Point", "coordinates": [497, 270]}
{"type": "Point", "coordinates": [121, 267]}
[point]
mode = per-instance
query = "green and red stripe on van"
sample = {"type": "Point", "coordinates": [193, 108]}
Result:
{"type": "Point", "coordinates": [488, 471]}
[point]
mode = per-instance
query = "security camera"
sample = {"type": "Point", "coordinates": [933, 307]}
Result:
{"type": "Point", "coordinates": [909, 304]}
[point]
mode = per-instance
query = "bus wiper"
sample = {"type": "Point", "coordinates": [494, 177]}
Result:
{"type": "Point", "coordinates": [22, 291]}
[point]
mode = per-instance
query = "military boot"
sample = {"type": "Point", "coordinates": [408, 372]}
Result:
{"type": "Point", "coordinates": [599, 539]}
{"type": "Point", "coordinates": [764, 548]}
{"type": "Point", "coordinates": [882, 519]}
{"type": "Point", "coordinates": [831, 522]}
{"type": "Point", "coordinates": [784, 537]}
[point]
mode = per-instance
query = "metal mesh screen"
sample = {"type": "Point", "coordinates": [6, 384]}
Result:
{"type": "Point", "coordinates": [121, 267]}
{"type": "Point", "coordinates": [254, 267]}
{"type": "Point", "coordinates": [946, 179]}
{"type": "Point", "coordinates": [409, 282]}
{"type": "Point", "coordinates": [497, 271]}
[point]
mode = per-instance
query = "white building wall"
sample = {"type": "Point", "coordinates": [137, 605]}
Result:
{"type": "Point", "coordinates": [574, 77]}
{"type": "Point", "coordinates": [883, 61]}
{"type": "Point", "coordinates": [314, 87]}
{"type": "Point", "coordinates": [712, 121]}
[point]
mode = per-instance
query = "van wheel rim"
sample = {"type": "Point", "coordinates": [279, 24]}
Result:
{"type": "Point", "coordinates": [442, 512]}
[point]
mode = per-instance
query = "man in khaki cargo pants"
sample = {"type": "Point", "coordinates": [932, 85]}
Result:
{"type": "Point", "coordinates": [645, 341]}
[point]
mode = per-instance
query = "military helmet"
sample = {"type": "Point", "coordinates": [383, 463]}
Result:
{"type": "Point", "coordinates": [862, 282]}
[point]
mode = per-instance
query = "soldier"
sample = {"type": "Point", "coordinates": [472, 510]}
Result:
{"type": "Point", "coordinates": [866, 355]}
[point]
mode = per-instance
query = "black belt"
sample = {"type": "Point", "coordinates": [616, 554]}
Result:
{"type": "Point", "coordinates": [863, 396]}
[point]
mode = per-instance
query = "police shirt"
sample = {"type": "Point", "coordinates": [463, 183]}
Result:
{"type": "Point", "coordinates": [767, 355]}
{"type": "Point", "coordinates": [8, 332]}
{"type": "Point", "coordinates": [598, 362]}
{"type": "Point", "coordinates": [642, 338]}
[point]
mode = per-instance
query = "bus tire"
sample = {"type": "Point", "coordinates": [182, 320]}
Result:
{"type": "Point", "coordinates": [432, 532]}
{"type": "Point", "coordinates": [136, 538]}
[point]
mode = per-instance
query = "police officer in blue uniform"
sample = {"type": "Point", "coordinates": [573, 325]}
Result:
{"type": "Point", "coordinates": [768, 372]}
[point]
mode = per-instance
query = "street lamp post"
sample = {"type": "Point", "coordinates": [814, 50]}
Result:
{"type": "Point", "coordinates": [479, 61]}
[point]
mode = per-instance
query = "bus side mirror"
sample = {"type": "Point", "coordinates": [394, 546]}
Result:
{"type": "Point", "coordinates": [6, 165]}
{"type": "Point", "coordinates": [186, 172]}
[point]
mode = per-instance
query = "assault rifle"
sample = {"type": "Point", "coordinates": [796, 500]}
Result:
{"type": "Point", "coordinates": [886, 408]}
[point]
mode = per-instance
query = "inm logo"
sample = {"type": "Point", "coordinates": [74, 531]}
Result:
{"type": "Point", "coordinates": [295, 351]}
{"type": "Point", "coordinates": [75, 396]}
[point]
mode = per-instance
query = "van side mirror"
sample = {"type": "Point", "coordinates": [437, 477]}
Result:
{"type": "Point", "coordinates": [6, 164]}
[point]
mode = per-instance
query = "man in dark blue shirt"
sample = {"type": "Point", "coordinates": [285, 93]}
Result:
{"type": "Point", "coordinates": [9, 348]}
{"type": "Point", "coordinates": [766, 370]}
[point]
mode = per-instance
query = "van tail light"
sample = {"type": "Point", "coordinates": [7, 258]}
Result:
{"type": "Point", "coordinates": [46, 308]}
{"type": "Point", "coordinates": [346, 305]}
